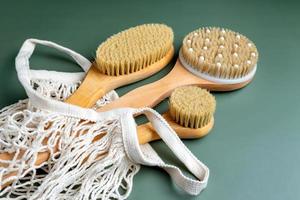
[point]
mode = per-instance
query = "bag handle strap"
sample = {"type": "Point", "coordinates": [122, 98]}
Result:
{"type": "Point", "coordinates": [42, 102]}
{"type": "Point", "coordinates": [39, 101]}
{"type": "Point", "coordinates": [145, 154]}
{"type": "Point", "coordinates": [22, 59]}
{"type": "Point", "coordinates": [68, 77]}
{"type": "Point", "coordinates": [30, 44]}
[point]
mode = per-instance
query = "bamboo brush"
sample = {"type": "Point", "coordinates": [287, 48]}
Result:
{"type": "Point", "coordinates": [124, 58]}
{"type": "Point", "coordinates": [214, 58]}
{"type": "Point", "coordinates": [190, 114]}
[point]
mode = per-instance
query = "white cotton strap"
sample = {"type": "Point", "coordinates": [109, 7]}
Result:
{"type": "Point", "coordinates": [63, 77]}
{"type": "Point", "coordinates": [146, 155]}
{"type": "Point", "coordinates": [22, 60]}
{"type": "Point", "coordinates": [29, 46]}
{"type": "Point", "coordinates": [25, 75]}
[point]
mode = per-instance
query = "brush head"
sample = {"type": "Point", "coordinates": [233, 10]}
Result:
{"type": "Point", "coordinates": [220, 53]}
{"type": "Point", "coordinates": [191, 106]}
{"type": "Point", "coordinates": [134, 49]}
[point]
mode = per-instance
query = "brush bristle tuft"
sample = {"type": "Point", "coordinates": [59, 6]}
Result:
{"type": "Point", "coordinates": [191, 106]}
{"type": "Point", "coordinates": [219, 52]}
{"type": "Point", "coordinates": [134, 49]}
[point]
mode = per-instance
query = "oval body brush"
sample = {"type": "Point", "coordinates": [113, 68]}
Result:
{"type": "Point", "coordinates": [190, 114]}
{"type": "Point", "coordinates": [213, 58]}
{"type": "Point", "coordinates": [124, 58]}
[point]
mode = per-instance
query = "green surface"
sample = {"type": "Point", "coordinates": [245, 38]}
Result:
{"type": "Point", "coordinates": [253, 150]}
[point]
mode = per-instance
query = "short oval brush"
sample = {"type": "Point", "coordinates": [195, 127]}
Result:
{"type": "Point", "coordinates": [190, 114]}
{"type": "Point", "coordinates": [214, 58]}
{"type": "Point", "coordinates": [124, 58]}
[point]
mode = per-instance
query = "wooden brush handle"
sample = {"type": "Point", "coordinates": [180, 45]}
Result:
{"type": "Point", "coordinates": [146, 134]}
{"type": "Point", "coordinates": [96, 84]}
{"type": "Point", "coordinates": [93, 87]}
{"type": "Point", "coordinates": [41, 157]}
{"type": "Point", "coordinates": [148, 95]}
{"type": "Point", "coordinates": [151, 94]}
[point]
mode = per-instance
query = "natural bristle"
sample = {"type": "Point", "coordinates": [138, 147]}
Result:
{"type": "Point", "coordinates": [191, 106]}
{"type": "Point", "coordinates": [134, 49]}
{"type": "Point", "coordinates": [219, 52]}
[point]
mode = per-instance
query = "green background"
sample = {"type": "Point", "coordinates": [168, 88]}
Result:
{"type": "Point", "coordinates": [253, 152]}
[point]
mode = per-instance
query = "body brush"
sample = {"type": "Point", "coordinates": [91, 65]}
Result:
{"type": "Point", "coordinates": [212, 58]}
{"type": "Point", "coordinates": [190, 114]}
{"type": "Point", "coordinates": [124, 58]}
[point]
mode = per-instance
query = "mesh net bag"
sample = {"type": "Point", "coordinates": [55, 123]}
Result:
{"type": "Point", "coordinates": [85, 154]}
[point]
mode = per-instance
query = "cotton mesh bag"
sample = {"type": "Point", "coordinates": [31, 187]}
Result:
{"type": "Point", "coordinates": [85, 154]}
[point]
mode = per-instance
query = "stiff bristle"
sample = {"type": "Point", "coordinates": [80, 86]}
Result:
{"type": "Point", "coordinates": [134, 49]}
{"type": "Point", "coordinates": [191, 106]}
{"type": "Point", "coordinates": [219, 52]}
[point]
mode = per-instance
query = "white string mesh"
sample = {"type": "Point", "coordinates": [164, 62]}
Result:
{"type": "Point", "coordinates": [46, 153]}
{"type": "Point", "coordinates": [86, 160]}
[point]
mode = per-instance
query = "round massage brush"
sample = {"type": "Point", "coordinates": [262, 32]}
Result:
{"type": "Point", "coordinates": [124, 58]}
{"type": "Point", "coordinates": [190, 114]}
{"type": "Point", "coordinates": [216, 59]}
